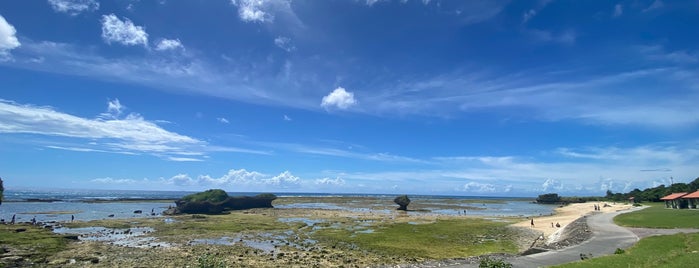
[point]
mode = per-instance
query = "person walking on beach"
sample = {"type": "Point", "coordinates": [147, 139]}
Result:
{"type": "Point", "coordinates": [532, 222]}
{"type": "Point", "coordinates": [13, 219]}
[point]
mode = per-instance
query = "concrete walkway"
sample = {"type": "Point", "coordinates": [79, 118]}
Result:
{"type": "Point", "coordinates": [607, 237]}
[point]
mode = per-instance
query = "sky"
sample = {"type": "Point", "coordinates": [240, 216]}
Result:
{"type": "Point", "coordinates": [470, 98]}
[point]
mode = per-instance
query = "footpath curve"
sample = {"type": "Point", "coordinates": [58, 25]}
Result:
{"type": "Point", "coordinates": [606, 238]}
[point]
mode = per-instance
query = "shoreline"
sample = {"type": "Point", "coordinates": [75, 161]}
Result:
{"type": "Point", "coordinates": [564, 216]}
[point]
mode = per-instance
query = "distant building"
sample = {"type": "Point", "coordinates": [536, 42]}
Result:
{"type": "Point", "coordinates": [674, 200]}
{"type": "Point", "coordinates": [692, 199]}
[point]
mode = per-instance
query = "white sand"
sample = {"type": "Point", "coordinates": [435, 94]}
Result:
{"type": "Point", "coordinates": [565, 215]}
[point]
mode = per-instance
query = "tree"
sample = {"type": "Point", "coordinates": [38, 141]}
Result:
{"type": "Point", "coordinates": [551, 198]}
{"type": "Point", "coordinates": [403, 201]}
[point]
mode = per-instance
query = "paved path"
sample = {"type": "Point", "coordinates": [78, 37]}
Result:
{"type": "Point", "coordinates": [607, 237]}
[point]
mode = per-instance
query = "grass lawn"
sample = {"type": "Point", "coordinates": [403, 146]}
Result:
{"type": "Point", "coordinates": [657, 216]}
{"type": "Point", "coordinates": [680, 250]}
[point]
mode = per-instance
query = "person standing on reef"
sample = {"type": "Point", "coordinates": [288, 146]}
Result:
{"type": "Point", "coordinates": [72, 218]}
{"type": "Point", "coordinates": [13, 219]}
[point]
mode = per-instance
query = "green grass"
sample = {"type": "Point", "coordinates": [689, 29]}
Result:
{"type": "Point", "coordinates": [37, 243]}
{"type": "Point", "coordinates": [680, 250]}
{"type": "Point", "coordinates": [657, 216]}
{"type": "Point", "coordinates": [439, 240]}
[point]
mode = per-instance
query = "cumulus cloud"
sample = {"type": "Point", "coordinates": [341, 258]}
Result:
{"type": "Point", "coordinates": [8, 40]}
{"type": "Point", "coordinates": [551, 185]}
{"type": "Point", "coordinates": [129, 134]}
{"type": "Point", "coordinates": [253, 10]}
{"type": "Point", "coordinates": [169, 44]}
{"type": "Point", "coordinates": [239, 179]}
{"type": "Point", "coordinates": [114, 108]}
{"type": "Point", "coordinates": [122, 31]}
{"type": "Point", "coordinates": [339, 98]}
{"type": "Point", "coordinates": [223, 120]}
{"type": "Point", "coordinates": [284, 180]}
{"type": "Point", "coordinates": [284, 43]}
{"type": "Point", "coordinates": [74, 7]}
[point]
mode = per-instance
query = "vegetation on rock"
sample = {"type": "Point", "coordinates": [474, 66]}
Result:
{"type": "Point", "coordinates": [403, 201]}
{"type": "Point", "coordinates": [213, 196]}
{"type": "Point", "coordinates": [216, 201]}
{"type": "Point", "coordinates": [551, 198]}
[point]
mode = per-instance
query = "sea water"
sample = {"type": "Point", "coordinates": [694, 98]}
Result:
{"type": "Point", "coordinates": [85, 205]}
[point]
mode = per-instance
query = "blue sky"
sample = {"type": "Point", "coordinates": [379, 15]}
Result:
{"type": "Point", "coordinates": [488, 98]}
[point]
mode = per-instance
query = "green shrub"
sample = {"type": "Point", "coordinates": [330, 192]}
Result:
{"type": "Point", "coordinates": [619, 251]}
{"type": "Point", "coordinates": [213, 196]}
{"type": "Point", "coordinates": [487, 262]}
{"type": "Point", "coordinates": [211, 261]}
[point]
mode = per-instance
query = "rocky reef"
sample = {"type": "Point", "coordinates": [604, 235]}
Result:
{"type": "Point", "coordinates": [217, 201]}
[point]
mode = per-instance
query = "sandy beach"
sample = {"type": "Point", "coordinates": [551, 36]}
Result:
{"type": "Point", "coordinates": [565, 215]}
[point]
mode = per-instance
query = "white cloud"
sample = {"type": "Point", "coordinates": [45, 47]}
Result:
{"type": "Point", "coordinates": [330, 182]}
{"type": "Point", "coordinates": [120, 135]}
{"type": "Point", "coordinates": [114, 108]}
{"type": "Point", "coordinates": [618, 10]}
{"type": "Point", "coordinates": [528, 15]}
{"type": "Point", "coordinates": [339, 98]}
{"type": "Point", "coordinates": [566, 37]}
{"type": "Point", "coordinates": [74, 7]}
{"type": "Point", "coordinates": [284, 43]}
{"type": "Point", "coordinates": [372, 2]}
{"type": "Point", "coordinates": [223, 120]}
{"type": "Point", "coordinates": [478, 187]}
{"type": "Point", "coordinates": [657, 4]}
{"type": "Point", "coordinates": [659, 53]}
{"type": "Point", "coordinates": [122, 31]}
{"type": "Point", "coordinates": [551, 185]}
{"type": "Point", "coordinates": [240, 179]}
{"type": "Point", "coordinates": [109, 180]}
{"type": "Point", "coordinates": [8, 40]}
{"type": "Point", "coordinates": [184, 159]}
{"type": "Point", "coordinates": [284, 180]}
{"type": "Point", "coordinates": [169, 44]}
{"type": "Point", "coordinates": [287, 118]}
{"type": "Point", "coordinates": [254, 10]}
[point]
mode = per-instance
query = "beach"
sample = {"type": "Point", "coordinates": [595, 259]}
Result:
{"type": "Point", "coordinates": [565, 215]}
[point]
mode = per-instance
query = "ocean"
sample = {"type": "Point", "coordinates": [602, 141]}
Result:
{"type": "Point", "coordinates": [84, 205]}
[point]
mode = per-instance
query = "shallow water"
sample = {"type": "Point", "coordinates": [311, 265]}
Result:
{"type": "Point", "coordinates": [25, 211]}
{"type": "Point", "coordinates": [433, 206]}
{"type": "Point", "coordinates": [130, 237]}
